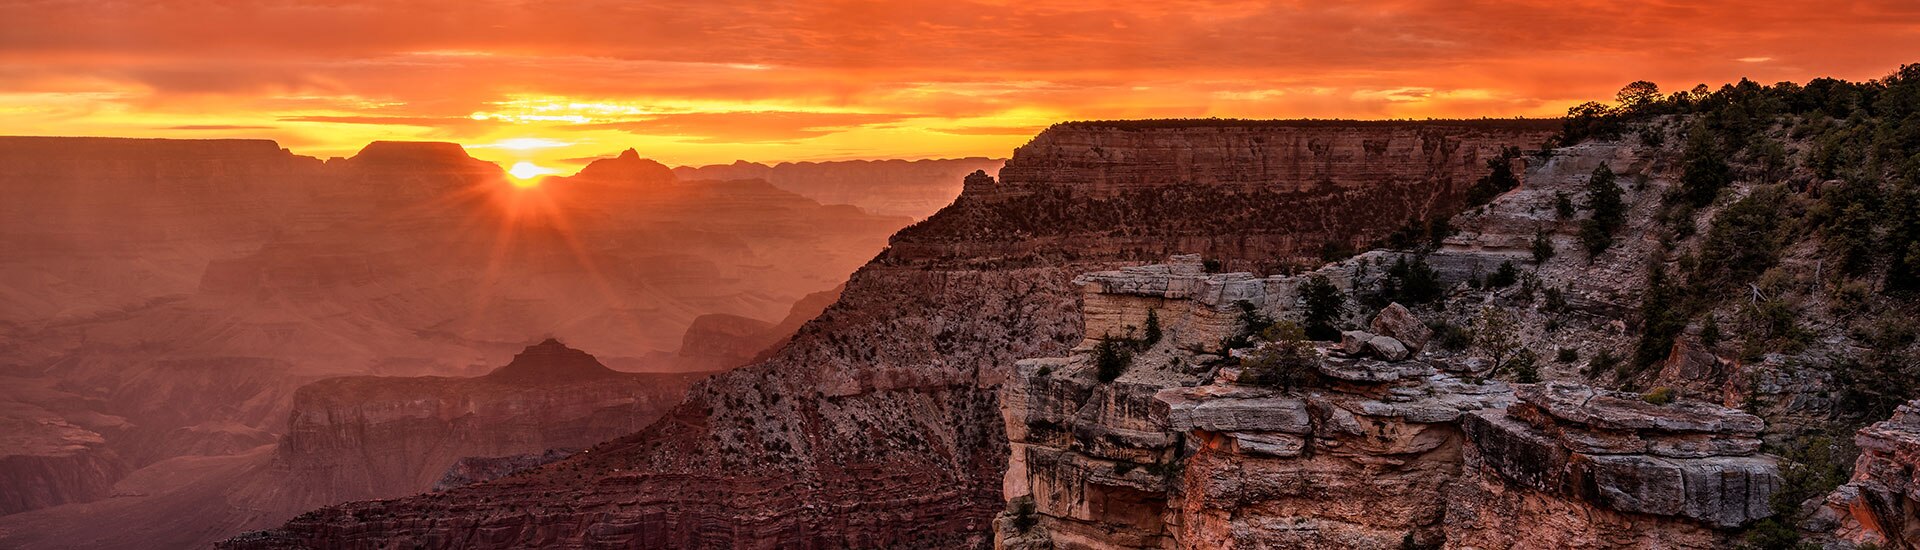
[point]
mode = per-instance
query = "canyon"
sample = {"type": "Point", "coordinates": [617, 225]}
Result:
{"type": "Point", "coordinates": [166, 305]}
{"type": "Point", "coordinates": [912, 188]}
{"type": "Point", "coordinates": [878, 423]}
{"type": "Point", "coordinates": [991, 378]}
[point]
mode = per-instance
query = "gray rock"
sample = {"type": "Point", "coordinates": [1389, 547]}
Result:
{"type": "Point", "coordinates": [1354, 342]}
{"type": "Point", "coordinates": [1724, 492]}
{"type": "Point", "coordinates": [1388, 348]}
{"type": "Point", "coordinates": [1626, 411]}
{"type": "Point", "coordinates": [1397, 321]}
{"type": "Point", "coordinates": [1229, 414]}
{"type": "Point", "coordinates": [1269, 444]}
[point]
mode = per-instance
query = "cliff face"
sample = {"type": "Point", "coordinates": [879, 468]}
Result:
{"type": "Point", "coordinates": [47, 461]}
{"type": "Point", "coordinates": [378, 437]}
{"type": "Point", "coordinates": [1110, 189]}
{"type": "Point", "coordinates": [1880, 505]}
{"type": "Point", "coordinates": [1185, 449]}
{"type": "Point", "coordinates": [878, 424]}
{"type": "Point", "coordinates": [915, 188]}
{"type": "Point", "coordinates": [168, 297]}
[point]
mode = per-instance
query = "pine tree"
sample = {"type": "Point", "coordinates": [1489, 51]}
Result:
{"type": "Point", "coordinates": [1152, 334]}
{"type": "Point", "coordinates": [1609, 211]}
{"type": "Point", "coordinates": [1325, 304]}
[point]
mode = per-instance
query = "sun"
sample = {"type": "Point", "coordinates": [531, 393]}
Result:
{"type": "Point", "coordinates": [526, 173]}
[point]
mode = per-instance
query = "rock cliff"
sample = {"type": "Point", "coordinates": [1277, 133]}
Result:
{"type": "Point", "coordinates": [878, 423]}
{"type": "Point", "coordinates": [916, 188]}
{"type": "Point", "coordinates": [1186, 449]}
{"type": "Point", "coordinates": [1880, 505]}
{"type": "Point", "coordinates": [379, 437]}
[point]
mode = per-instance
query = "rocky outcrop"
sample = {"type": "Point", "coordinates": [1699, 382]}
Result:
{"type": "Point", "coordinates": [376, 437]}
{"type": "Point", "coordinates": [1370, 449]}
{"type": "Point", "coordinates": [1576, 467]}
{"type": "Point", "coordinates": [1880, 505]}
{"type": "Point", "coordinates": [45, 461]}
{"type": "Point", "coordinates": [878, 424]}
{"type": "Point", "coordinates": [475, 469]}
{"type": "Point", "coordinates": [915, 188]}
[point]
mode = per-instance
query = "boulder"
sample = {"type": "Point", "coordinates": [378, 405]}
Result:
{"type": "Point", "coordinates": [1354, 342]}
{"type": "Point", "coordinates": [1386, 347]}
{"type": "Point", "coordinates": [1396, 321]}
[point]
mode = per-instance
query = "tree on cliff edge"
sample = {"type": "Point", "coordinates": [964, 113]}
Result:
{"type": "Point", "coordinates": [1325, 304]}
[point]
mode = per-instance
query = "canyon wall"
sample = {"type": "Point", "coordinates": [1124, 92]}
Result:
{"type": "Point", "coordinates": [363, 437]}
{"type": "Point", "coordinates": [1360, 448]}
{"type": "Point", "coordinates": [878, 424]}
{"type": "Point", "coordinates": [915, 188]}
{"type": "Point", "coordinates": [161, 301]}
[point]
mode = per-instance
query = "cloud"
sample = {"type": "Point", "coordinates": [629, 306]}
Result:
{"type": "Point", "coordinates": [216, 127]}
{"type": "Point", "coordinates": [746, 126]}
{"type": "Point", "coordinates": [963, 77]}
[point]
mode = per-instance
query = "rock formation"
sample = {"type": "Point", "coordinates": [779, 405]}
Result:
{"type": "Point", "coordinates": [377, 437]}
{"type": "Point", "coordinates": [1187, 449]}
{"type": "Point", "coordinates": [916, 188]}
{"type": "Point", "coordinates": [45, 461]}
{"type": "Point", "coordinates": [1881, 504]}
{"type": "Point", "coordinates": [1575, 467]}
{"type": "Point", "coordinates": [878, 424]}
{"type": "Point", "coordinates": [169, 296]}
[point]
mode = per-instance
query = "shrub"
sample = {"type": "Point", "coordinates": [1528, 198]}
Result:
{"type": "Point", "coordinates": [1111, 358]}
{"type": "Point", "coordinates": [1567, 355]}
{"type": "Point", "coordinates": [1286, 363]}
{"type": "Point", "coordinates": [1499, 178]}
{"type": "Point", "coordinates": [1659, 396]}
{"type": "Point", "coordinates": [1542, 248]}
{"type": "Point", "coordinates": [1496, 335]}
{"type": "Point", "coordinates": [1325, 304]}
{"type": "Point", "coordinates": [1152, 333]}
{"type": "Point", "coordinates": [1602, 362]}
{"type": "Point", "coordinates": [1409, 283]}
{"type": "Point", "coordinates": [1609, 211]}
{"type": "Point", "coordinates": [1704, 169]}
{"type": "Point", "coordinates": [1451, 337]}
{"type": "Point", "coordinates": [1525, 366]}
{"type": "Point", "coordinates": [1505, 276]}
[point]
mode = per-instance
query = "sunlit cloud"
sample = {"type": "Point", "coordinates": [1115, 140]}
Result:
{"type": "Point", "coordinates": [522, 144]}
{"type": "Point", "coordinates": [551, 84]}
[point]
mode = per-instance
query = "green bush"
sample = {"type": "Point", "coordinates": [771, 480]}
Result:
{"type": "Point", "coordinates": [1659, 396]}
{"type": "Point", "coordinates": [1324, 307]}
{"type": "Point", "coordinates": [1286, 363]}
{"type": "Point", "coordinates": [1152, 334]}
{"type": "Point", "coordinates": [1609, 211]}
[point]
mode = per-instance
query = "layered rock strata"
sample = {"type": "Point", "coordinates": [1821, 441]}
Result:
{"type": "Point", "coordinates": [916, 188]}
{"type": "Point", "coordinates": [1186, 449]}
{"type": "Point", "coordinates": [377, 437]}
{"type": "Point", "coordinates": [1576, 467]}
{"type": "Point", "coordinates": [1880, 505]}
{"type": "Point", "coordinates": [879, 424]}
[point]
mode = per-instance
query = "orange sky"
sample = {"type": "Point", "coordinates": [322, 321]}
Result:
{"type": "Point", "coordinates": [714, 81]}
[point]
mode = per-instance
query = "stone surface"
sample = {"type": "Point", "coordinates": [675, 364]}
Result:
{"type": "Point", "coordinates": [879, 423]}
{"type": "Point", "coordinates": [1880, 504]}
{"type": "Point", "coordinates": [1388, 348]}
{"type": "Point", "coordinates": [1397, 322]}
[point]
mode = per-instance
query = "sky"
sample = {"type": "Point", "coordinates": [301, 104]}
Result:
{"type": "Point", "coordinates": [554, 84]}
